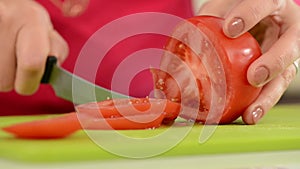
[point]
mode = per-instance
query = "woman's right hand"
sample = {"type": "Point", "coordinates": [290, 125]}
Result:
{"type": "Point", "coordinates": [27, 38]}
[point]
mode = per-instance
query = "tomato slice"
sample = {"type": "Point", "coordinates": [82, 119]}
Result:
{"type": "Point", "coordinates": [118, 114]}
{"type": "Point", "coordinates": [124, 123]}
{"type": "Point", "coordinates": [55, 127]}
{"type": "Point", "coordinates": [113, 108]}
{"type": "Point", "coordinates": [195, 52]}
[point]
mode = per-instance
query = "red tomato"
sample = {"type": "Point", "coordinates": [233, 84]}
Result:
{"type": "Point", "coordinates": [119, 114]}
{"type": "Point", "coordinates": [197, 51]}
{"type": "Point", "coordinates": [56, 127]}
{"type": "Point", "coordinates": [134, 122]}
{"type": "Point", "coordinates": [131, 107]}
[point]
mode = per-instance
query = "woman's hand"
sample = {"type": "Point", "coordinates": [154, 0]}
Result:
{"type": "Point", "coordinates": [27, 37]}
{"type": "Point", "coordinates": [275, 24]}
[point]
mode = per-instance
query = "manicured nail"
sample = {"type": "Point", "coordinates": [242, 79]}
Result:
{"type": "Point", "coordinates": [236, 26]}
{"type": "Point", "coordinates": [261, 76]}
{"type": "Point", "coordinates": [257, 114]}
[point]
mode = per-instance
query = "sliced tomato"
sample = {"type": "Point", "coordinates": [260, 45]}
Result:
{"type": "Point", "coordinates": [55, 127]}
{"type": "Point", "coordinates": [118, 114]}
{"type": "Point", "coordinates": [195, 52]}
{"type": "Point", "coordinates": [113, 108]}
{"type": "Point", "coordinates": [142, 121]}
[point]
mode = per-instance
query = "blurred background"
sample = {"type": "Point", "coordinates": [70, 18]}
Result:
{"type": "Point", "coordinates": [292, 95]}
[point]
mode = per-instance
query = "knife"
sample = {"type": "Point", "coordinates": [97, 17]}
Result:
{"type": "Point", "coordinates": [74, 88]}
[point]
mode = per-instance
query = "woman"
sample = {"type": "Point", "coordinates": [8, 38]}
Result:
{"type": "Point", "coordinates": [29, 35]}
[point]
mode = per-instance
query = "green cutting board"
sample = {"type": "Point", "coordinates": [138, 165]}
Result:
{"type": "Point", "coordinates": [278, 131]}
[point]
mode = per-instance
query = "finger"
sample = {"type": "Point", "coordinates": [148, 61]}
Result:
{"type": "Point", "coordinates": [7, 69]}
{"type": "Point", "coordinates": [269, 96]}
{"type": "Point", "coordinates": [7, 46]}
{"type": "Point", "coordinates": [282, 54]}
{"type": "Point", "coordinates": [218, 8]}
{"type": "Point", "coordinates": [32, 50]}
{"type": "Point", "coordinates": [248, 13]}
{"type": "Point", "coordinates": [8, 61]}
{"type": "Point", "coordinates": [58, 47]}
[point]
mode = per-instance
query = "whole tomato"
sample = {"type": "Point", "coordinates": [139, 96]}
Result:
{"type": "Point", "coordinates": [204, 69]}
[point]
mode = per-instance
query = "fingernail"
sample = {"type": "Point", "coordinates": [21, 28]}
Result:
{"type": "Point", "coordinates": [257, 114]}
{"type": "Point", "coordinates": [236, 26]}
{"type": "Point", "coordinates": [261, 76]}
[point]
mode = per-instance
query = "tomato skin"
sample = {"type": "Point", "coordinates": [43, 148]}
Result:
{"type": "Point", "coordinates": [235, 55]}
{"type": "Point", "coordinates": [239, 53]}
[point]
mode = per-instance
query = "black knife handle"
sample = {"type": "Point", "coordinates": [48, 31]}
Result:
{"type": "Point", "coordinates": [51, 61]}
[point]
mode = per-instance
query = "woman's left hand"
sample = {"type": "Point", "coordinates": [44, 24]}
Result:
{"type": "Point", "coordinates": [275, 24]}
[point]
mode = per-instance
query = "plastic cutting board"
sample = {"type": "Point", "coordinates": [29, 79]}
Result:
{"type": "Point", "coordinates": [278, 131]}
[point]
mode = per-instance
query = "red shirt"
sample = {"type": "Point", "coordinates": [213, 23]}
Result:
{"type": "Point", "coordinates": [76, 31]}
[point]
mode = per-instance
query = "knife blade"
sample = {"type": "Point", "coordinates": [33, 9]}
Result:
{"type": "Point", "coordinates": [74, 88]}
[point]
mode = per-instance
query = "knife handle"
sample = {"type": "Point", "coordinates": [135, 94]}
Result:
{"type": "Point", "coordinates": [51, 61]}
